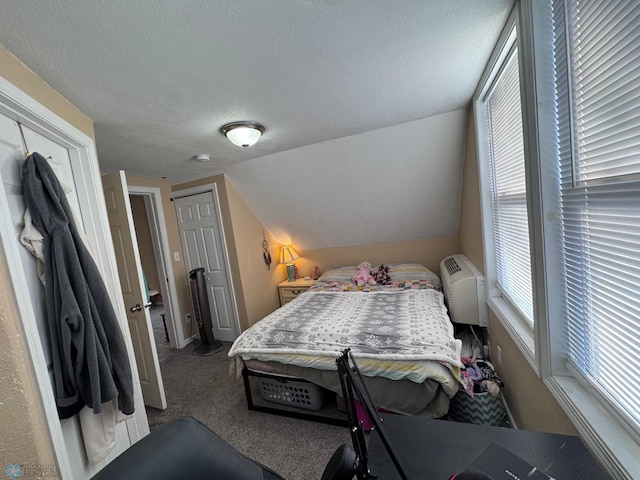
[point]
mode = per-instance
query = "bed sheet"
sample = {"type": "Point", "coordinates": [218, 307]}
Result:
{"type": "Point", "coordinates": [393, 333]}
{"type": "Point", "coordinates": [390, 325]}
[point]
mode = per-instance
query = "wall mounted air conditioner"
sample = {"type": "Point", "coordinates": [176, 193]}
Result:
{"type": "Point", "coordinates": [463, 286]}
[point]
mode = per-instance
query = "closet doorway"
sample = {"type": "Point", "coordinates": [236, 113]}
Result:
{"type": "Point", "coordinates": [155, 257]}
{"type": "Point", "coordinates": [203, 244]}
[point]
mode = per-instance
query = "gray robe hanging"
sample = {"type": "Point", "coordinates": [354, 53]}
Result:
{"type": "Point", "coordinates": [90, 361]}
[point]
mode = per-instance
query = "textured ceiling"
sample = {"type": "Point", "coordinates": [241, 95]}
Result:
{"type": "Point", "coordinates": [160, 77]}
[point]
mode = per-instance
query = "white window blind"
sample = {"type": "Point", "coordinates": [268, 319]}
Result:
{"type": "Point", "coordinates": [600, 185]}
{"type": "Point", "coordinates": [508, 189]}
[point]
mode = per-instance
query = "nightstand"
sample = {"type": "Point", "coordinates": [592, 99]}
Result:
{"type": "Point", "coordinates": [290, 290]}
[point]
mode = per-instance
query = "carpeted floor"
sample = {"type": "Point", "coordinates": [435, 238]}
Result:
{"type": "Point", "coordinates": [200, 386]}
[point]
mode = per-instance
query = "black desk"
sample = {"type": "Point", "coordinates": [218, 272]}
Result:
{"type": "Point", "coordinates": [436, 449]}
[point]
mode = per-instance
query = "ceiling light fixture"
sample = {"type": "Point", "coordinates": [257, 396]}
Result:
{"type": "Point", "coordinates": [243, 134]}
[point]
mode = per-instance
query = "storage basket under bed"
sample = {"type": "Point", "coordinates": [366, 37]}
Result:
{"type": "Point", "coordinates": [294, 393]}
{"type": "Point", "coordinates": [482, 408]}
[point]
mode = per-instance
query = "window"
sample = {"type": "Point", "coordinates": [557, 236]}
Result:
{"type": "Point", "coordinates": [580, 88]}
{"type": "Point", "coordinates": [558, 124]}
{"type": "Point", "coordinates": [508, 189]}
{"type": "Point", "coordinates": [600, 196]}
{"type": "Point", "coordinates": [498, 114]}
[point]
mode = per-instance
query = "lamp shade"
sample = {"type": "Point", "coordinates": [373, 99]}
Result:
{"type": "Point", "coordinates": [243, 134]}
{"type": "Point", "coordinates": [288, 254]}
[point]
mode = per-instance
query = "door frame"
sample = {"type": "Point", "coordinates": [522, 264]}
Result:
{"type": "Point", "coordinates": [158, 226]}
{"type": "Point", "coordinates": [213, 188]}
{"type": "Point", "coordinates": [19, 106]}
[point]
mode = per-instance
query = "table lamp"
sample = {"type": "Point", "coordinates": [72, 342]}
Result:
{"type": "Point", "coordinates": [287, 256]}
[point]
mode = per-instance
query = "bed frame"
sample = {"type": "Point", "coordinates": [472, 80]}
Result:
{"type": "Point", "coordinates": [246, 373]}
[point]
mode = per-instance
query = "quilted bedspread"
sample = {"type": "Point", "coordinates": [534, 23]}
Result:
{"type": "Point", "coordinates": [398, 325]}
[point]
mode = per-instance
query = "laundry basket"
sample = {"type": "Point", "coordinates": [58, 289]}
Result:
{"type": "Point", "coordinates": [482, 408]}
{"type": "Point", "coordinates": [290, 392]}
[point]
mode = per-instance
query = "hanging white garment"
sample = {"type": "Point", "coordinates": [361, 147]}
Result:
{"type": "Point", "coordinates": [33, 241]}
{"type": "Point", "coordinates": [99, 430]}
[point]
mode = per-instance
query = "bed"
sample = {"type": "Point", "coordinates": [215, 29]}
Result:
{"type": "Point", "coordinates": [399, 333]}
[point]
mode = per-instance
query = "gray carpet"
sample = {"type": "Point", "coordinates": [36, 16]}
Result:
{"type": "Point", "coordinates": [200, 386]}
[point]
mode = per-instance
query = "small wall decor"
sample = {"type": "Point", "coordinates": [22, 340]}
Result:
{"type": "Point", "coordinates": [265, 254]}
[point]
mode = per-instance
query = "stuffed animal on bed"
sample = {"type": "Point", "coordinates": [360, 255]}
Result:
{"type": "Point", "coordinates": [364, 277]}
{"type": "Point", "coordinates": [382, 276]}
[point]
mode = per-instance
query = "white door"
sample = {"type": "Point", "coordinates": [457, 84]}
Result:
{"type": "Point", "coordinates": [203, 246]}
{"type": "Point", "coordinates": [74, 163]}
{"type": "Point", "coordinates": [133, 290]}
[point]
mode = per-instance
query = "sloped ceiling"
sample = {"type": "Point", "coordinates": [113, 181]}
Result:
{"type": "Point", "coordinates": [363, 100]}
{"type": "Point", "coordinates": [392, 184]}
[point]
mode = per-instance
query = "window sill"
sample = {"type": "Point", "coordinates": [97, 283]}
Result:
{"type": "Point", "coordinates": [517, 328]}
{"type": "Point", "coordinates": [610, 443]}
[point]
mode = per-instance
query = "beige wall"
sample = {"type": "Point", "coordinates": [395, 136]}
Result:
{"type": "Point", "coordinates": [531, 404]}
{"type": "Point", "coordinates": [258, 281]}
{"type": "Point", "coordinates": [470, 212]}
{"type": "Point", "coordinates": [428, 251]}
{"type": "Point", "coordinates": [24, 436]}
{"type": "Point", "coordinates": [145, 243]}
{"type": "Point", "coordinates": [17, 73]}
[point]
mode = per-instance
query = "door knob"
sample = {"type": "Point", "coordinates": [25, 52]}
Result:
{"type": "Point", "coordinates": [148, 305]}
{"type": "Point", "coordinates": [135, 309]}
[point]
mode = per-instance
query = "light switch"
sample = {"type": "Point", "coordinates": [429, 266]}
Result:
{"type": "Point", "coordinates": [176, 256]}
